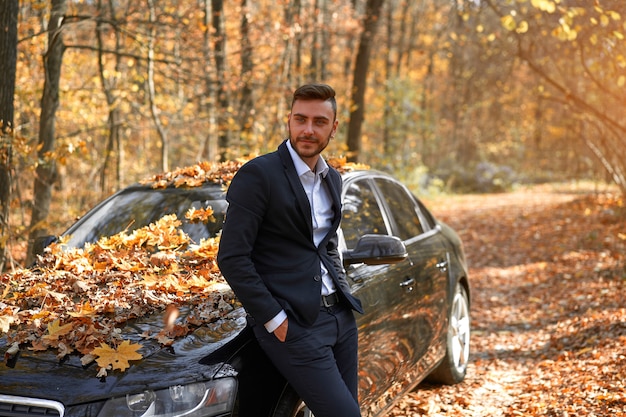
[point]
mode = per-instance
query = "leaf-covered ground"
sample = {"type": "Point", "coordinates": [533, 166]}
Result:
{"type": "Point", "coordinates": [548, 273]}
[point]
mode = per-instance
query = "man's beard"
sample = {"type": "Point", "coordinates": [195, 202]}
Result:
{"type": "Point", "coordinates": [313, 141]}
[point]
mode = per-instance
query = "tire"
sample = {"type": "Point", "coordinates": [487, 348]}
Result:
{"type": "Point", "coordinates": [453, 367]}
{"type": "Point", "coordinates": [291, 405]}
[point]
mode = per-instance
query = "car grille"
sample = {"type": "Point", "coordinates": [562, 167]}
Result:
{"type": "Point", "coordinates": [11, 406]}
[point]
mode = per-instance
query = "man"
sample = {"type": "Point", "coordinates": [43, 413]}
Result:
{"type": "Point", "coordinates": [278, 251]}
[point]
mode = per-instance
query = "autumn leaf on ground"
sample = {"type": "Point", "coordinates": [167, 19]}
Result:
{"type": "Point", "coordinates": [548, 274]}
{"type": "Point", "coordinates": [117, 358]}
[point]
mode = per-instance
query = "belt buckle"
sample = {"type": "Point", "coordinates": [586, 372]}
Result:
{"type": "Point", "coordinates": [329, 300]}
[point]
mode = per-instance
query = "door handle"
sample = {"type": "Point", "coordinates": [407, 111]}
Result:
{"type": "Point", "coordinates": [442, 265]}
{"type": "Point", "coordinates": [408, 284]}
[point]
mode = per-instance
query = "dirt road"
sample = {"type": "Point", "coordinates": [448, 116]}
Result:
{"type": "Point", "coordinates": [548, 272]}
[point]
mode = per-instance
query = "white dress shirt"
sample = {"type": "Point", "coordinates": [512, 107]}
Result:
{"type": "Point", "coordinates": [321, 214]}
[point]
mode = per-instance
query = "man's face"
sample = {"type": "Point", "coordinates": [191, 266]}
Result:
{"type": "Point", "coordinates": [311, 126]}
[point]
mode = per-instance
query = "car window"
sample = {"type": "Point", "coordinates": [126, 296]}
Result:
{"type": "Point", "coordinates": [360, 214]}
{"type": "Point", "coordinates": [138, 208]}
{"type": "Point", "coordinates": [429, 220]}
{"type": "Point", "coordinates": [402, 207]}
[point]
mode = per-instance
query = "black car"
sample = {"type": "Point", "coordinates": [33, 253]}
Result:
{"type": "Point", "coordinates": [407, 268]}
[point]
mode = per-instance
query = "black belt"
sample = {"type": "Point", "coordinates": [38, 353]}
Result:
{"type": "Point", "coordinates": [329, 300]}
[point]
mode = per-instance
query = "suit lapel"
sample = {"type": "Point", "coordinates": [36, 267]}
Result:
{"type": "Point", "coordinates": [296, 185]}
{"type": "Point", "coordinates": [334, 192]}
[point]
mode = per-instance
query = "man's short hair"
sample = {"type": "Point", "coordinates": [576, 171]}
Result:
{"type": "Point", "coordinates": [316, 92]}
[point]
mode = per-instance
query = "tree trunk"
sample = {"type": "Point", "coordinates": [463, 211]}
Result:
{"type": "Point", "coordinates": [114, 147]}
{"type": "Point", "coordinates": [388, 146]}
{"type": "Point", "coordinates": [347, 66]}
{"type": "Point", "coordinates": [316, 52]}
{"type": "Point", "coordinates": [219, 51]}
{"type": "Point", "coordinates": [154, 110]}
{"type": "Point", "coordinates": [46, 172]}
{"type": "Point", "coordinates": [372, 16]}
{"type": "Point", "coordinates": [8, 59]}
{"type": "Point", "coordinates": [247, 66]}
{"type": "Point", "coordinates": [290, 62]}
{"type": "Point", "coordinates": [325, 42]}
{"type": "Point", "coordinates": [293, 15]}
{"type": "Point", "coordinates": [207, 148]}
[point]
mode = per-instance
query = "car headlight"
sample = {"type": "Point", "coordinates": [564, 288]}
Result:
{"type": "Point", "coordinates": [202, 399]}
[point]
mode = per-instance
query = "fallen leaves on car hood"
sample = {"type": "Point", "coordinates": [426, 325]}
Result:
{"type": "Point", "coordinates": [223, 173]}
{"type": "Point", "coordinates": [75, 300]}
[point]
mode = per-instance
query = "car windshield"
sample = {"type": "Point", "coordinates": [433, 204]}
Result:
{"type": "Point", "coordinates": [136, 208]}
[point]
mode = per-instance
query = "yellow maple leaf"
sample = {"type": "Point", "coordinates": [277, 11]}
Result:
{"type": "Point", "coordinates": [117, 358]}
{"type": "Point", "coordinates": [55, 330]}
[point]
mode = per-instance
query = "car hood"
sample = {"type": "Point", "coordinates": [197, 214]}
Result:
{"type": "Point", "coordinates": [190, 359]}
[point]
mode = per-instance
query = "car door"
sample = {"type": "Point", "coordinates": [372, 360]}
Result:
{"type": "Point", "coordinates": [386, 354]}
{"type": "Point", "coordinates": [425, 285]}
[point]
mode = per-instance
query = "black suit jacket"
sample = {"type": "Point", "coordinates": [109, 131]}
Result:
{"type": "Point", "coordinates": [266, 251]}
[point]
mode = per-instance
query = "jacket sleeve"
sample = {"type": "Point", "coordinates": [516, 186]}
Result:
{"type": "Point", "coordinates": [247, 198]}
{"type": "Point", "coordinates": [337, 263]}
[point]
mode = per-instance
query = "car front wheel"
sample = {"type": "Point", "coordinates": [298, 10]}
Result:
{"type": "Point", "coordinates": [453, 367]}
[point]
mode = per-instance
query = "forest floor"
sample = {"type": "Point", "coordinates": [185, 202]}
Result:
{"type": "Point", "coordinates": [548, 280]}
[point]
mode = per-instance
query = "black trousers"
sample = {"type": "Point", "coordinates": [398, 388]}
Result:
{"type": "Point", "coordinates": [320, 362]}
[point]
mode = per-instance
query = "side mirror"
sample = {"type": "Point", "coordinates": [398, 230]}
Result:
{"type": "Point", "coordinates": [376, 250]}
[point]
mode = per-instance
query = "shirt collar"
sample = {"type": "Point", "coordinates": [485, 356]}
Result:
{"type": "Point", "coordinates": [302, 168]}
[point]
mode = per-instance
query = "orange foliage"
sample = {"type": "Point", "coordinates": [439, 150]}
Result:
{"type": "Point", "coordinates": [64, 303]}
